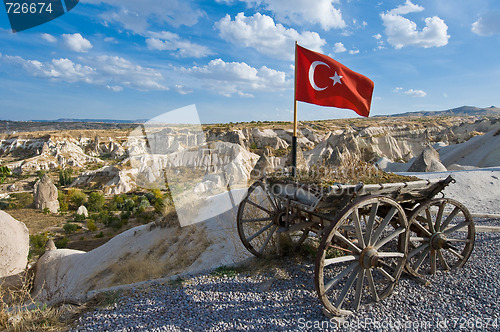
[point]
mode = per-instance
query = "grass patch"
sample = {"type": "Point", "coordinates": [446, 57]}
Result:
{"type": "Point", "coordinates": [226, 271]}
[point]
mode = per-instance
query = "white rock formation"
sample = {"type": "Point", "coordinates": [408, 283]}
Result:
{"type": "Point", "coordinates": [45, 195]}
{"type": "Point", "coordinates": [82, 211]}
{"type": "Point", "coordinates": [14, 246]}
{"type": "Point", "coordinates": [428, 161]}
{"type": "Point", "coordinates": [70, 274]}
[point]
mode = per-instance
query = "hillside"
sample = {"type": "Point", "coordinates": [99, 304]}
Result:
{"type": "Point", "coordinates": [459, 111]}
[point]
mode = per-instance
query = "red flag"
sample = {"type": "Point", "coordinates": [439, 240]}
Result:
{"type": "Point", "coordinates": [323, 81]}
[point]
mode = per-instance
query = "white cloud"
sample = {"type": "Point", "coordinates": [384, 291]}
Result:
{"type": "Point", "coordinates": [416, 93]}
{"type": "Point", "coordinates": [110, 40]}
{"type": "Point", "coordinates": [260, 32]}
{"type": "Point", "coordinates": [137, 16]}
{"type": "Point", "coordinates": [407, 8]}
{"type": "Point", "coordinates": [321, 12]}
{"type": "Point", "coordinates": [228, 78]}
{"type": "Point", "coordinates": [402, 32]}
{"type": "Point", "coordinates": [411, 92]}
{"type": "Point", "coordinates": [488, 24]}
{"type": "Point", "coordinates": [353, 51]}
{"type": "Point", "coordinates": [76, 42]}
{"type": "Point", "coordinates": [181, 89]}
{"type": "Point", "coordinates": [377, 36]}
{"type": "Point", "coordinates": [168, 41]}
{"type": "Point", "coordinates": [112, 72]}
{"type": "Point", "coordinates": [49, 38]}
{"type": "Point", "coordinates": [339, 48]}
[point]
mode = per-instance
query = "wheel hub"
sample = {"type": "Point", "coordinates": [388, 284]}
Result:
{"type": "Point", "coordinates": [369, 258]}
{"type": "Point", "coordinates": [438, 241]}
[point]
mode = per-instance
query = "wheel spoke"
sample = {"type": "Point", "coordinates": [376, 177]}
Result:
{"type": "Point", "coordinates": [458, 240]}
{"type": "Point", "coordinates": [359, 288]}
{"type": "Point", "coordinates": [345, 289]}
{"type": "Point", "coordinates": [420, 227]}
{"type": "Point", "coordinates": [421, 258]}
{"type": "Point", "coordinates": [259, 206]}
{"type": "Point", "coordinates": [386, 274]}
{"type": "Point", "coordinates": [267, 239]}
{"type": "Point", "coordinates": [383, 224]}
{"type": "Point", "coordinates": [256, 219]}
{"type": "Point", "coordinates": [260, 232]}
{"type": "Point", "coordinates": [371, 283]}
{"type": "Point", "coordinates": [432, 258]}
{"type": "Point", "coordinates": [347, 242]}
{"type": "Point", "coordinates": [439, 217]}
{"type": "Point", "coordinates": [371, 220]}
{"type": "Point", "coordinates": [455, 253]}
{"type": "Point", "coordinates": [443, 261]}
{"type": "Point", "coordinates": [389, 238]}
{"type": "Point", "coordinates": [340, 276]}
{"type": "Point", "coordinates": [456, 228]}
{"type": "Point", "coordinates": [429, 220]}
{"type": "Point", "coordinates": [390, 254]}
{"type": "Point", "coordinates": [340, 259]}
{"type": "Point", "coordinates": [418, 249]}
{"type": "Point", "coordinates": [357, 227]}
{"type": "Point", "coordinates": [452, 215]}
{"type": "Point", "coordinates": [419, 239]}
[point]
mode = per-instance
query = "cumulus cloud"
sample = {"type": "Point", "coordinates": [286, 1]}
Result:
{"type": "Point", "coordinates": [353, 51]}
{"type": "Point", "coordinates": [112, 72]}
{"type": "Point", "coordinates": [137, 16]}
{"type": "Point", "coordinates": [416, 93]}
{"type": "Point", "coordinates": [339, 48]}
{"type": "Point", "coordinates": [49, 38]}
{"type": "Point", "coordinates": [76, 42]}
{"type": "Point", "coordinates": [321, 12]}
{"type": "Point", "coordinates": [488, 24]}
{"type": "Point", "coordinates": [260, 32]}
{"type": "Point", "coordinates": [168, 41]}
{"type": "Point", "coordinates": [403, 32]}
{"type": "Point", "coordinates": [411, 92]}
{"type": "Point", "coordinates": [228, 78]}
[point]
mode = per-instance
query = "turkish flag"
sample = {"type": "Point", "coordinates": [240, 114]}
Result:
{"type": "Point", "coordinates": [323, 81]}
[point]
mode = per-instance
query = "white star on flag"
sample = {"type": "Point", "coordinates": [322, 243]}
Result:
{"type": "Point", "coordinates": [336, 79]}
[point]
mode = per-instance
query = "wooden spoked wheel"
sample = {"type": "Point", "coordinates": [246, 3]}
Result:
{"type": "Point", "coordinates": [441, 237]}
{"type": "Point", "coordinates": [358, 258]}
{"type": "Point", "coordinates": [262, 221]}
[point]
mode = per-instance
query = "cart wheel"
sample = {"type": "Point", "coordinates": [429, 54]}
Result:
{"type": "Point", "coordinates": [441, 237]}
{"type": "Point", "coordinates": [261, 219]}
{"type": "Point", "coordinates": [358, 257]}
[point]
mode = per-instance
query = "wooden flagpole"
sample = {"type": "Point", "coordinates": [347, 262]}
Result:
{"type": "Point", "coordinates": [294, 138]}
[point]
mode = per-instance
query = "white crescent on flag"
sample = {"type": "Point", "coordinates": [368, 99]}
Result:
{"type": "Point", "coordinates": [311, 74]}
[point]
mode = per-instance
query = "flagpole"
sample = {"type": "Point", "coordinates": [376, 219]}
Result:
{"type": "Point", "coordinates": [294, 138]}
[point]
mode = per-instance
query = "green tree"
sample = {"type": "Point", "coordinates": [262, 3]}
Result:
{"type": "Point", "coordinates": [65, 178]}
{"type": "Point", "coordinates": [95, 201]}
{"type": "Point", "coordinates": [76, 197]}
{"type": "Point", "coordinates": [4, 172]}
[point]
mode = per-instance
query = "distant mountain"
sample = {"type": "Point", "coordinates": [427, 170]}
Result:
{"type": "Point", "coordinates": [94, 120]}
{"type": "Point", "coordinates": [460, 111]}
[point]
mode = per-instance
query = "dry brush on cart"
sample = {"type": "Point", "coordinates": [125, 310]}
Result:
{"type": "Point", "coordinates": [370, 233]}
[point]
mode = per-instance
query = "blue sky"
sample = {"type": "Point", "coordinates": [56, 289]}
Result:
{"type": "Point", "coordinates": [233, 59]}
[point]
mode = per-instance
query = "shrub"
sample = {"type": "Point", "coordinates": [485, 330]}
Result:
{"type": "Point", "coordinates": [101, 234]}
{"type": "Point", "coordinates": [61, 242]}
{"type": "Point", "coordinates": [76, 197]}
{"type": "Point", "coordinates": [46, 210]}
{"type": "Point", "coordinates": [22, 200]}
{"type": "Point", "coordinates": [91, 226]}
{"type": "Point", "coordinates": [70, 227]}
{"type": "Point", "coordinates": [38, 242]}
{"type": "Point", "coordinates": [79, 218]}
{"type": "Point", "coordinates": [63, 204]}
{"type": "Point", "coordinates": [95, 201]}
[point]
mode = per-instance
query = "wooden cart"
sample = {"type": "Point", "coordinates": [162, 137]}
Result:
{"type": "Point", "coordinates": [369, 233]}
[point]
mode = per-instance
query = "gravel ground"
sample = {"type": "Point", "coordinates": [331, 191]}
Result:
{"type": "Point", "coordinates": [283, 299]}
